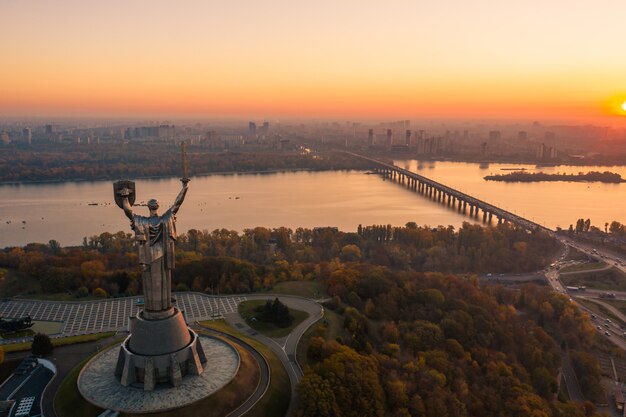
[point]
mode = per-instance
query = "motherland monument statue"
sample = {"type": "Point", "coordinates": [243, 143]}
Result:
{"type": "Point", "coordinates": [160, 347]}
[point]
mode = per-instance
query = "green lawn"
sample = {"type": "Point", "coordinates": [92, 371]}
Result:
{"type": "Point", "coordinates": [246, 310]}
{"type": "Point", "coordinates": [618, 304]}
{"type": "Point", "coordinates": [576, 255]}
{"type": "Point", "coordinates": [67, 401]}
{"type": "Point", "coordinates": [62, 341]}
{"type": "Point", "coordinates": [307, 289]}
{"type": "Point", "coordinates": [587, 266]}
{"type": "Point", "coordinates": [610, 279]}
{"type": "Point", "coordinates": [276, 401]}
{"type": "Point", "coordinates": [58, 296]}
{"type": "Point", "coordinates": [45, 327]}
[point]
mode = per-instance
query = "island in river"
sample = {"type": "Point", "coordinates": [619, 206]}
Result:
{"type": "Point", "coordinates": [591, 176]}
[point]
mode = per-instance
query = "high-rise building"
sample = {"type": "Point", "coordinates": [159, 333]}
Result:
{"type": "Point", "coordinates": [522, 135]}
{"type": "Point", "coordinates": [389, 138]}
{"type": "Point", "coordinates": [554, 153]}
{"type": "Point", "coordinates": [541, 151]}
{"type": "Point", "coordinates": [252, 128]}
{"type": "Point", "coordinates": [27, 135]}
{"type": "Point", "coordinates": [408, 137]}
{"type": "Point", "coordinates": [370, 137]}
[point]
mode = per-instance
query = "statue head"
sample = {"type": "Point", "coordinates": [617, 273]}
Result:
{"type": "Point", "coordinates": [153, 205]}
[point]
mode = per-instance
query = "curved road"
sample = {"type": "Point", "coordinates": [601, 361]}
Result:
{"type": "Point", "coordinates": [115, 313]}
{"type": "Point", "coordinates": [264, 380]}
{"type": "Point", "coordinates": [285, 347]}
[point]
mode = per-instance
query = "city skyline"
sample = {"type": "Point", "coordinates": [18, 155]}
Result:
{"type": "Point", "coordinates": [558, 61]}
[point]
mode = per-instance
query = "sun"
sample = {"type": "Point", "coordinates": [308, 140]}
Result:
{"type": "Point", "coordinates": [624, 106]}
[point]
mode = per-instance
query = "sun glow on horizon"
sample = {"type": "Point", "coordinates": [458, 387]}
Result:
{"type": "Point", "coordinates": [280, 63]}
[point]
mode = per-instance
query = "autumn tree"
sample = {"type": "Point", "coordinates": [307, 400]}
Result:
{"type": "Point", "coordinates": [42, 345]}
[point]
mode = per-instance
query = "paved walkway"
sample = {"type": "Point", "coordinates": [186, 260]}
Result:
{"type": "Point", "coordinates": [85, 317]}
{"type": "Point", "coordinates": [99, 385]}
{"type": "Point", "coordinates": [573, 387]}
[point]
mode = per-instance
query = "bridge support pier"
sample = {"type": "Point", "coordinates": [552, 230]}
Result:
{"type": "Point", "coordinates": [484, 216]}
{"type": "Point", "coordinates": [490, 214]}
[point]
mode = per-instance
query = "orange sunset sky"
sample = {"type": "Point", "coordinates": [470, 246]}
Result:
{"type": "Point", "coordinates": [561, 59]}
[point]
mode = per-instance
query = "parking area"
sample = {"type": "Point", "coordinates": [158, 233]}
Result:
{"type": "Point", "coordinates": [25, 386]}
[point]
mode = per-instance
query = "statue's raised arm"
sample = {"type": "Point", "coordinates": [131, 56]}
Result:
{"type": "Point", "coordinates": [181, 196]}
{"type": "Point", "coordinates": [124, 193]}
{"type": "Point", "coordinates": [126, 207]}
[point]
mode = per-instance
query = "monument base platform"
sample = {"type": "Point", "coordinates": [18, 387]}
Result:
{"type": "Point", "coordinates": [99, 385]}
{"type": "Point", "coordinates": [159, 351]}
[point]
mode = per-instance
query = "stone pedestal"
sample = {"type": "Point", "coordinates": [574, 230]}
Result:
{"type": "Point", "coordinates": [159, 351]}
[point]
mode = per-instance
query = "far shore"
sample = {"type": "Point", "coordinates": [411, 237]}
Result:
{"type": "Point", "coordinates": [522, 176]}
{"type": "Point", "coordinates": [160, 177]}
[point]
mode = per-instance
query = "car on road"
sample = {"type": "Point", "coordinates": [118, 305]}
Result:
{"type": "Point", "coordinates": [599, 327]}
{"type": "Point", "coordinates": [607, 333]}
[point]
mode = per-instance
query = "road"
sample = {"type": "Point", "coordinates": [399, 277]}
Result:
{"type": "Point", "coordinates": [264, 380]}
{"type": "Point", "coordinates": [603, 324]}
{"type": "Point", "coordinates": [112, 315]}
{"type": "Point", "coordinates": [573, 387]}
{"type": "Point", "coordinates": [285, 348]}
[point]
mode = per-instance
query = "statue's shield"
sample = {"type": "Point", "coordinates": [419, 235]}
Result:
{"type": "Point", "coordinates": [119, 188]}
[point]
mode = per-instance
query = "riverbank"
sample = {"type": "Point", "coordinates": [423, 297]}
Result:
{"type": "Point", "coordinates": [162, 177]}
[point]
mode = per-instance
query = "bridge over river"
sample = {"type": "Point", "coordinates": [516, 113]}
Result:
{"type": "Point", "coordinates": [449, 196]}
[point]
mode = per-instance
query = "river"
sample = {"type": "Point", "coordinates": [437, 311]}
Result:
{"type": "Point", "coordinates": [343, 199]}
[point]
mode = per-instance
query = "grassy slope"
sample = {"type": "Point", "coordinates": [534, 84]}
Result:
{"type": "Point", "coordinates": [307, 289]}
{"type": "Point", "coordinates": [330, 327]}
{"type": "Point", "coordinates": [610, 279]}
{"type": "Point", "coordinates": [276, 400]}
{"type": "Point", "coordinates": [590, 266]}
{"type": "Point", "coordinates": [62, 341]}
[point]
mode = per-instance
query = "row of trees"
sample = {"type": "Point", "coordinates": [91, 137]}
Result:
{"type": "Point", "coordinates": [615, 228]}
{"type": "Point", "coordinates": [225, 261]}
{"type": "Point", "coordinates": [523, 176]}
{"type": "Point", "coordinates": [427, 344]}
{"type": "Point", "coordinates": [114, 161]}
